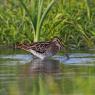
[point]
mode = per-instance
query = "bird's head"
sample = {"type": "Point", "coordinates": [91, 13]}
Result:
{"type": "Point", "coordinates": [58, 42]}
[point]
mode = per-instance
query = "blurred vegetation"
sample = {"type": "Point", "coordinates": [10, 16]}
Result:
{"type": "Point", "coordinates": [74, 80]}
{"type": "Point", "coordinates": [72, 20]}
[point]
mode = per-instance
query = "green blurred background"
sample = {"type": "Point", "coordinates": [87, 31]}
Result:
{"type": "Point", "coordinates": [72, 20]}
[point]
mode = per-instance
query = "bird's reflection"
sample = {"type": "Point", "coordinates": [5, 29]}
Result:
{"type": "Point", "coordinates": [40, 74]}
{"type": "Point", "coordinates": [47, 66]}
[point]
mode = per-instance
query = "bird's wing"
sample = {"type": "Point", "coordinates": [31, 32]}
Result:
{"type": "Point", "coordinates": [40, 47]}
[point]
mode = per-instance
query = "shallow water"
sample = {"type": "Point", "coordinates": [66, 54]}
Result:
{"type": "Point", "coordinates": [20, 74]}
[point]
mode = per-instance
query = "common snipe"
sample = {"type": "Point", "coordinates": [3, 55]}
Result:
{"type": "Point", "coordinates": [43, 50]}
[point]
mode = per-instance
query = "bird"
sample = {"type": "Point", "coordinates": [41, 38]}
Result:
{"type": "Point", "coordinates": [43, 50]}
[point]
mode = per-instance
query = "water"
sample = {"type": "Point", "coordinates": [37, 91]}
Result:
{"type": "Point", "coordinates": [20, 74]}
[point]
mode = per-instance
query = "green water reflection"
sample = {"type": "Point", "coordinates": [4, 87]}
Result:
{"type": "Point", "coordinates": [47, 77]}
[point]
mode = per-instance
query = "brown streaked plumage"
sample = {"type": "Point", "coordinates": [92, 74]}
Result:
{"type": "Point", "coordinates": [43, 49]}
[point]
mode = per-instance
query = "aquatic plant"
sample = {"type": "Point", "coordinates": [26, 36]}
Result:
{"type": "Point", "coordinates": [30, 20]}
{"type": "Point", "coordinates": [37, 17]}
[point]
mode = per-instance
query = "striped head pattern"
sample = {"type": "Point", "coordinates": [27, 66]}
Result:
{"type": "Point", "coordinates": [58, 42]}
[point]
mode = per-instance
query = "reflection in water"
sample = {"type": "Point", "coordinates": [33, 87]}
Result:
{"type": "Point", "coordinates": [38, 66]}
{"type": "Point", "coordinates": [75, 76]}
{"type": "Point", "coordinates": [49, 77]}
{"type": "Point", "coordinates": [44, 66]}
{"type": "Point", "coordinates": [41, 77]}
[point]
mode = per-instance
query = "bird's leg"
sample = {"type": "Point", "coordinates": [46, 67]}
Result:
{"type": "Point", "coordinates": [66, 54]}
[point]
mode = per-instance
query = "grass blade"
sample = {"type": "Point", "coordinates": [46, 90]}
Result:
{"type": "Point", "coordinates": [40, 5]}
{"type": "Point", "coordinates": [46, 12]}
{"type": "Point", "coordinates": [24, 6]}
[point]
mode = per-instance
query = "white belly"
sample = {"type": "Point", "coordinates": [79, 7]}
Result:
{"type": "Point", "coordinates": [41, 56]}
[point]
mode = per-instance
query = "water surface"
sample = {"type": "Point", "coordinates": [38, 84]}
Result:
{"type": "Point", "coordinates": [20, 74]}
